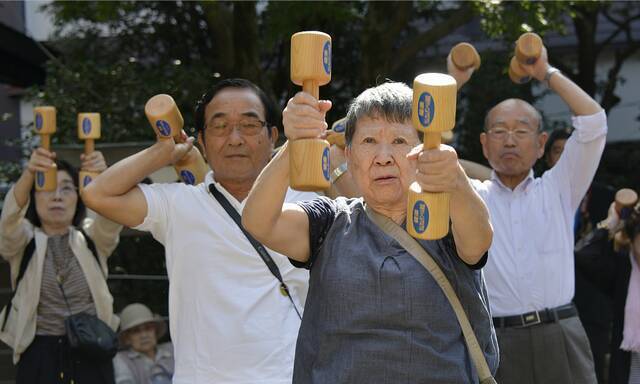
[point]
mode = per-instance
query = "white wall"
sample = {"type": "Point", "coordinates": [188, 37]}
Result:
{"type": "Point", "coordinates": [622, 119]}
{"type": "Point", "coordinates": [39, 24]}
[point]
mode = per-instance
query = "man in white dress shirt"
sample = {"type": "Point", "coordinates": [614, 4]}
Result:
{"type": "Point", "coordinates": [229, 320]}
{"type": "Point", "coordinates": [530, 270]}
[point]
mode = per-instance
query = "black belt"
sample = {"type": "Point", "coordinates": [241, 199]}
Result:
{"type": "Point", "coordinates": [548, 315]}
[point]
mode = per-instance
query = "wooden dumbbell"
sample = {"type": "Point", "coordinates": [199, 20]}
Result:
{"type": "Point", "coordinates": [45, 126]}
{"type": "Point", "coordinates": [625, 200]}
{"type": "Point", "coordinates": [165, 118]}
{"type": "Point", "coordinates": [527, 51]}
{"type": "Point", "coordinates": [528, 48]}
{"type": "Point", "coordinates": [88, 130]}
{"type": "Point", "coordinates": [310, 68]}
{"type": "Point", "coordinates": [465, 56]}
{"type": "Point", "coordinates": [336, 134]}
{"type": "Point", "coordinates": [434, 111]}
{"type": "Point", "coordinates": [516, 73]}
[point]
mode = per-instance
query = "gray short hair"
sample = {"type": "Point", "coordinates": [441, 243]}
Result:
{"type": "Point", "coordinates": [391, 101]}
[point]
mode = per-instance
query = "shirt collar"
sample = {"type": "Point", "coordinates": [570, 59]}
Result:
{"type": "Point", "coordinates": [522, 187]}
{"type": "Point", "coordinates": [209, 179]}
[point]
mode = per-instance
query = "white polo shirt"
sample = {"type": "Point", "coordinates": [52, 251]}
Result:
{"type": "Point", "coordinates": [228, 320]}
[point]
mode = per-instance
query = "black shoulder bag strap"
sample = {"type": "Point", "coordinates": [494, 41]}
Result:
{"type": "Point", "coordinates": [24, 263]}
{"type": "Point", "coordinates": [262, 251]}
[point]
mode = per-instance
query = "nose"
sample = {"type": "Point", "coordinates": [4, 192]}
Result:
{"type": "Point", "coordinates": [384, 155]}
{"type": "Point", "coordinates": [510, 141]}
{"type": "Point", "coordinates": [235, 138]}
{"type": "Point", "coordinates": [57, 194]}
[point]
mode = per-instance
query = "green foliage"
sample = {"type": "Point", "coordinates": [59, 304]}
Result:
{"type": "Point", "coordinates": [509, 19]}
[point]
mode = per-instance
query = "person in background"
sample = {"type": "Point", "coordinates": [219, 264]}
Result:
{"type": "Point", "coordinates": [52, 229]}
{"type": "Point", "coordinates": [143, 361]}
{"type": "Point", "coordinates": [593, 304]}
{"type": "Point", "coordinates": [530, 272]}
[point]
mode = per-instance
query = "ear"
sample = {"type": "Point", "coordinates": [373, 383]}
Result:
{"type": "Point", "coordinates": [274, 135]}
{"type": "Point", "coordinates": [542, 140]}
{"type": "Point", "coordinates": [201, 142]}
{"type": "Point", "coordinates": [483, 141]}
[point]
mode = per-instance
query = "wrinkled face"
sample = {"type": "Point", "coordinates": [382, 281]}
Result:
{"type": "Point", "coordinates": [237, 156]}
{"type": "Point", "coordinates": [142, 338]}
{"type": "Point", "coordinates": [512, 143]}
{"type": "Point", "coordinates": [57, 208]}
{"type": "Point", "coordinates": [555, 151]}
{"type": "Point", "coordinates": [377, 160]}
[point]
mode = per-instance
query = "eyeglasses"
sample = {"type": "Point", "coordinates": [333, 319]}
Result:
{"type": "Point", "coordinates": [248, 126]}
{"type": "Point", "coordinates": [502, 133]}
{"type": "Point", "coordinates": [65, 190]}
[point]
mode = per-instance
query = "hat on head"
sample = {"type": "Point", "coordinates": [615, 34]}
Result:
{"type": "Point", "coordinates": [136, 314]}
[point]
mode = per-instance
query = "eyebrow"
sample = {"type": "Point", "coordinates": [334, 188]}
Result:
{"type": "Point", "coordinates": [246, 114]}
{"type": "Point", "coordinates": [523, 121]}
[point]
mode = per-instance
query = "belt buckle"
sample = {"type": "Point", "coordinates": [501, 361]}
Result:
{"type": "Point", "coordinates": [530, 318]}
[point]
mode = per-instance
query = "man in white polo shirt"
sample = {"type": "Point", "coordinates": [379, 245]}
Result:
{"type": "Point", "coordinates": [530, 272]}
{"type": "Point", "coordinates": [230, 320]}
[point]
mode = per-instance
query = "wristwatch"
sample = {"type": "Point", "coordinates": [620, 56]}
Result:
{"type": "Point", "coordinates": [335, 175]}
{"type": "Point", "coordinates": [548, 75]}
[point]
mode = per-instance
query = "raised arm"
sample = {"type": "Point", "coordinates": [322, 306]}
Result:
{"type": "Point", "coordinates": [115, 195]}
{"type": "Point", "coordinates": [104, 232]}
{"type": "Point", "coordinates": [284, 227]}
{"type": "Point", "coordinates": [581, 156]}
{"type": "Point", "coordinates": [580, 103]}
{"type": "Point", "coordinates": [15, 230]}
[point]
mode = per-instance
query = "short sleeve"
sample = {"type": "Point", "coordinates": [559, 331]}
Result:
{"type": "Point", "coordinates": [321, 213]}
{"type": "Point", "coordinates": [448, 245]}
{"type": "Point", "coordinates": [158, 197]}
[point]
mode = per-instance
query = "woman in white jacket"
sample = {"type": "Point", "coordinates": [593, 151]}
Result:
{"type": "Point", "coordinates": [61, 260]}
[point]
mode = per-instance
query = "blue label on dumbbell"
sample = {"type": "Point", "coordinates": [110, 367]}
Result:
{"type": "Point", "coordinates": [525, 79]}
{"type": "Point", "coordinates": [86, 125]}
{"type": "Point", "coordinates": [87, 179]}
{"type": "Point", "coordinates": [163, 127]}
{"type": "Point", "coordinates": [187, 177]}
{"type": "Point", "coordinates": [340, 127]}
{"type": "Point", "coordinates": [326, 57]}
{"type": "Point", "coordinates": [325, 163]}
{"type": "Point", "coordinates": [426, 109]}
{"type": "Point", "coordinates": [420, 216]}
{"type": "Point", "coordinates": [40, 179]}
{"type": "Point", "coordinates": [38, 121]}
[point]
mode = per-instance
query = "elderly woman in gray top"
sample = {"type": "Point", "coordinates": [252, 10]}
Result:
{"type": "Point", "coordinates": [373, 313]}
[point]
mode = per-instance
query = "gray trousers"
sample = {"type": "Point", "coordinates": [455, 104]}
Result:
{"type": "Point", "coordinates": [545, 354]}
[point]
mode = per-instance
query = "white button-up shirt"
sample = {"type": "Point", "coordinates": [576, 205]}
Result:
{"type": "Point", "coordinates": [530, 264]}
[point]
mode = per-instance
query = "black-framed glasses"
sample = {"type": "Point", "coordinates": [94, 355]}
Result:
{"type": "Point", "coordinates": [247, 126]}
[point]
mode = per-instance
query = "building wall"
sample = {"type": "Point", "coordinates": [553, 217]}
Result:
{"type": "Point", "coordinates": [623, 118]}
